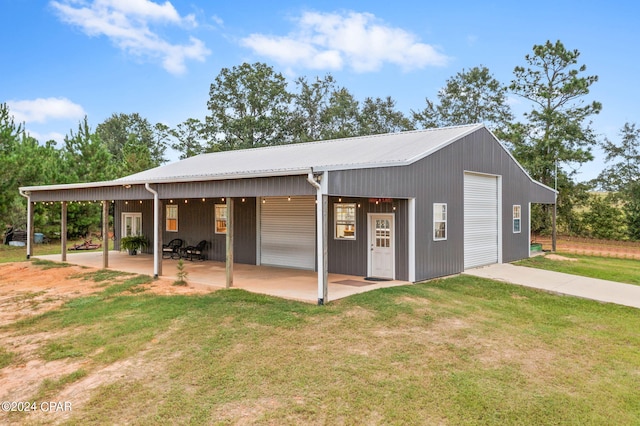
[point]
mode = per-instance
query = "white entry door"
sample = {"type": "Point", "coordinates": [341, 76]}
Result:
{"type": "Point", "coordinates": [131, 224]}
{"type": "Point", "coordinates": [381, 246]}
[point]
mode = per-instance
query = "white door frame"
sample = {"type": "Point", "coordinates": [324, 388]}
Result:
{"type": "Point", "coordinates": [133, 215]}
{"type": "Point", "coordinates": [370, 221]}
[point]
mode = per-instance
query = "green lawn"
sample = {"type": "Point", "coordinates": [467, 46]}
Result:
{"type": "Point", "coordinates": [18, 254]}
{"type": "Point", "coordinates": [462, 350]}
{"type": "Point", "coordinates": [606, 268]}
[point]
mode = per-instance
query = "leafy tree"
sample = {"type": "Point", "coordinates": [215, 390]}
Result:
{"type": "Point", "coordinates": [86, 158]}
{"type": "Point", "coordinates": [10, 135]}
{"type": "Point", "coordinates": [631, 208]}
{"type": "Point", "coordinates": [342, 115]}
{"type": "Point", "coordinates": [311, 103]}
{"type": "Point", "coordinates": [189, 138]}
{"type": "Point", "coordinates": [33, 164]}
{"type": "Point", "coordinates": [249, 107]}
{"type": "Point", "coordinates": [619, 176]}
{"type": "Point", "coordinates": [603, 219]}
{"type": "Point", "coordinates": [557, 131]}
{"type": "Point", "coordinates": [379, 116]}
{"type": "Point", "coordinates": [121, 130]}
{"type": "Point", "coordinates": [473, 96]}
{"type": "Point", "coordinates": [135, 158]}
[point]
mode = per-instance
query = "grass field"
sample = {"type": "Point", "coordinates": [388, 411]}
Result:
{"type": "Point", "coordinates": [612, 269]}
{"type": "Point", "coordinates": [18, 254]}
{"type": "Point", "coordinates": [462, 350]}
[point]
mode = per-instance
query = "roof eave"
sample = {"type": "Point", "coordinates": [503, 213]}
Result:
{"type": "Point", "coordinates": [169, 180]}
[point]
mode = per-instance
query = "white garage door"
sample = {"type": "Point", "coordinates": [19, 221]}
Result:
{"type": "Point", "coordinates": [480, 220]}
{"type": "Point", "coordinates": [288, 232]}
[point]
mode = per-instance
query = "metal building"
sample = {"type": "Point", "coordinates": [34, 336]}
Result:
{"type": "Point", "coordinates": [409, 206]}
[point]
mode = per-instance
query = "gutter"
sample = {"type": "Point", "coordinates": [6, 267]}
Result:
{"type": "Point", "coordinates": [27, 195]}
{"type": "Point", "coordinates": [156, 221]}
{"type": "Point", "coordinates": [320, 233]}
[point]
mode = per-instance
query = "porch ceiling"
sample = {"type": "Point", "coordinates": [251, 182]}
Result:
{"type": "Point", "coordinates": [293, 284]}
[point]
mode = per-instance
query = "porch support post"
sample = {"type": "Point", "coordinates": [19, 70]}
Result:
{"type": "Point", "coordinates": [63, 231]}
{"type": "Point", "coordinates": [105, 234]}
{"type": "Point", "coordinates": [230, 226]}
{"type": "Point", "coordinates": [323, 258]}
{"type": "Point", "coordinates": [27, 195]}
{"type": "Point", "coordinates": [322, 205]}
{"type": "Point", "coordinates": [29, 228]}
{"type": "Point", "coordinates": [412, 239]}
{"type": "Point", "coordinates": [158, 205]}
{"type": "Point", "coordinates": [157, 239]}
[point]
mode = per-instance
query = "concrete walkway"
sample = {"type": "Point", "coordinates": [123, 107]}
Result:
{"type": "Point", "coordinates": [557, 282]}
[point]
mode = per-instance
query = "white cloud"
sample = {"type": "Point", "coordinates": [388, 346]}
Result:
{"type": "Point", "coordinates": [358, 40]}
{"type": "Point", "coordinates": [45, 137]}
{"type": "Point", "coordinates": [42, 110]}
{"type": "Point", "coordinates": [127, 23]}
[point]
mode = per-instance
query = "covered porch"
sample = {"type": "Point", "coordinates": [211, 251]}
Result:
{"type": "Point", "coordinates": [287, 283]}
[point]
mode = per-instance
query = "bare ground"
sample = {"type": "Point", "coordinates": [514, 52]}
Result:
{"type": "Point", "coordinates": [592, 247]}
{"type": "Point", "coordinates": [27, 290]}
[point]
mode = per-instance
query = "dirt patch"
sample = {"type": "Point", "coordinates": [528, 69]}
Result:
{"type": "Point", "coordinates": [28, 290]}
{"type": "Point", "coordinates": [592, 247]}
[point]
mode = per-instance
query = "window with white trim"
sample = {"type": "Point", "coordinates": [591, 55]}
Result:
{"type": "Point", "coordinates": [221, 218]}
{"type": "Point", "coordinates": [517, 219]}
{"type": "Point", "coordinates": [345, 221]}
{"type": "Point", "coordinates": [172, 218]}
{"type": "Point", "coordinates": [439, 221]}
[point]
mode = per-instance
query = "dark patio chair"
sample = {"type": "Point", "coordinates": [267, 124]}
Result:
{"type": "Point", "coordinates": [196, 251]}
{"type": "Point", "coordinates": [171, 249]}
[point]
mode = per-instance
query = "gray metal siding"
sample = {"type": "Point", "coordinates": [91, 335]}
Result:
{"type": "Point", "coordinates": [146, 208]}
{"type": "Point", "coordinates": [266, 187]}
{"type": "Point", "coordinates": [350, 257]}
{"type": "Point", "coordinates": [438, 178]}
{"type": "Point", "coordinates": [196, 223]}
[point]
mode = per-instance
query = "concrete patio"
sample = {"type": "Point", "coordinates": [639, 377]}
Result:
{"type": "Point", "coordinates": [294, 284]}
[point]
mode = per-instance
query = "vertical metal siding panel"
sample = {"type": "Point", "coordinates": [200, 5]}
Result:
{"type": "Point", "coordinates": [346, 256]}
{"type": "Point", "coordinates": [402, 239]}
{"type": "Point", "coordinates": [245, 222]}
{"type": "Point", "coordinates": [272, 186]}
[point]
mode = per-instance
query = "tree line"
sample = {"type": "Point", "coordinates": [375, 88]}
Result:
{"type": "Point", "coordinates": [252, 105]}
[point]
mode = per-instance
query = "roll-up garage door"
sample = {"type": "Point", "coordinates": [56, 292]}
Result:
{"type": "Point", "coordinates": [480, 220]}
{"type": "Point", "coordinates": [288, 232]}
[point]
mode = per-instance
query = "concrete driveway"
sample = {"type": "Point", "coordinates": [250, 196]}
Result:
{"type": "Point", "coordinates": [557, 282]}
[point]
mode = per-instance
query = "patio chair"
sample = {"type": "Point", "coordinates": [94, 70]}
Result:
{"type": "Point", "coordinates": [172, 248]}
{"type": "Point", "coordinates": [196, 251]}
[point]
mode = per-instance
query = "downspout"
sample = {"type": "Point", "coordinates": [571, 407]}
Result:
{"type": "Point", "coordinates": [319, 236]}
{"type": "Point", "coordinates": [156, 220]}
{"type": "Point", "coordinates": [28, 197]}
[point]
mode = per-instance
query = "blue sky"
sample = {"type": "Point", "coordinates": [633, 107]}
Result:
{"type": "Point", "coordinates": [64, 59]}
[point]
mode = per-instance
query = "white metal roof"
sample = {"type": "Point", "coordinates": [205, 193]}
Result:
{"type": "Point", "coordinates": [393, 149]}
